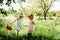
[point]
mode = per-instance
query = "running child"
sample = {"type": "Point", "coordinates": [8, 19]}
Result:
{"type": "Point", "coordinates": [19, 22]}
{"type": "Point", "coordinates": [30, 26]}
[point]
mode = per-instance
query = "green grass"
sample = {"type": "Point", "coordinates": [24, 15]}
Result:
{"type": "Point", "coordinates": [44, 30]}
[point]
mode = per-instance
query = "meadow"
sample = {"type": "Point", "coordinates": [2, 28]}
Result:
{"type": "Point", "coordinates": [44, 29]}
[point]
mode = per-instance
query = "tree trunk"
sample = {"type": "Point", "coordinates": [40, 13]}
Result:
{"type": "Point", "coordinates": [44, 15]}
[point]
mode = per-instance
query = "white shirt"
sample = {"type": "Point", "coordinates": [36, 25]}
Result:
{"type": "Point", "coordinates": [19, 21]}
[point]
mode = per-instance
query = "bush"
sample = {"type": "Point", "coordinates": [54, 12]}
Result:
{"type": "Point", "coordinates": [2, 23]}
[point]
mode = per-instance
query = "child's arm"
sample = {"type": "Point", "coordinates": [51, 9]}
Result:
{"type": "Point", "coordinates": [33, 22]}
{"type": "Point", "coordinates": [26, 25]}
{"type": "Point", "coordinates": [13, 21]}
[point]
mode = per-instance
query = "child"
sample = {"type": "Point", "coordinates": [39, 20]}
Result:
{"type": "Point", "coordinates": [30, 26]}
{"type": "Point", "coordinates": [19, 21]}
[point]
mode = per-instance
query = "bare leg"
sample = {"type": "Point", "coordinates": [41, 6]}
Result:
{"type": "Point", "coordinates": [17, 33]}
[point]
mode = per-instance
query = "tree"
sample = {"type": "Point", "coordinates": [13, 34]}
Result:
{"type": "Point", "coordinates": [58, 14]}
{"type": "Point", "coordinates": [1, 1]}
{"type": "Point", "coordinates": [11, 1]}
{"type": "Point", "coordinates": [45, 5]}
{"type": "Point", "coordinates": [3, 11]}
{"type": "Point", "coordinates": [8, 3]}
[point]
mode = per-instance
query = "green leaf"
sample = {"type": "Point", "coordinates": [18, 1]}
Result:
{"type": "Point", "coordinates": [1, 1]}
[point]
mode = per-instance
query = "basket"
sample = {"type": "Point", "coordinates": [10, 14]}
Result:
{"type": "Point", "coordinates": [8, 27]}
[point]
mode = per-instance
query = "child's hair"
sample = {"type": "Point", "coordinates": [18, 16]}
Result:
{"type": "Point", "coordinates": [30, 16]}
{"type": "Point", "coordinates": [20, 14]}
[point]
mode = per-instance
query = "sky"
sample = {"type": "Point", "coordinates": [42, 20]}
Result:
{"type": "Point", "coordinates": [55, 6]}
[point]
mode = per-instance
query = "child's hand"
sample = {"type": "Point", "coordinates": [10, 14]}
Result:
{"type": "Point", "coordinates": [26, 25]}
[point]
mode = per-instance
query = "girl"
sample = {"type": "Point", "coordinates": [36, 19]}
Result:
{"type": "Point", "coordinates": [19, 21]}
{"type": "Point", "coordinates": [30, 26]}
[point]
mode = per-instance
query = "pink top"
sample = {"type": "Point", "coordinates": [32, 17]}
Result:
{"type": "Point", "coordinates": [31, 25]}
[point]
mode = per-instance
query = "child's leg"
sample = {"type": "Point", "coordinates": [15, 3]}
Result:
{"type": "Point", "coordinates": [18, 30]}
{"type": "Point", "coordinates": [29, 36]}
{"type": "Point", "coordinates": [17, 33]}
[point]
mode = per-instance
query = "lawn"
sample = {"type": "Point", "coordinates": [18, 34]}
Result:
{"type": "Point", "coordinates": [44, 30]}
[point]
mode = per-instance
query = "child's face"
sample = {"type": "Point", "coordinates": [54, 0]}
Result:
{"type": "Point", "coordinates": [20, 17]}
{"type": "Point", "coordinates": [29, 18]}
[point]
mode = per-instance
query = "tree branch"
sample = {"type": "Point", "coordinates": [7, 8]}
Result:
{"type": "Point", "coordinates": [50, 5]}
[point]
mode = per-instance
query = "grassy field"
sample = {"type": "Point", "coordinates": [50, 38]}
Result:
{"type": "Point", "coordinates": [44, 30]}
